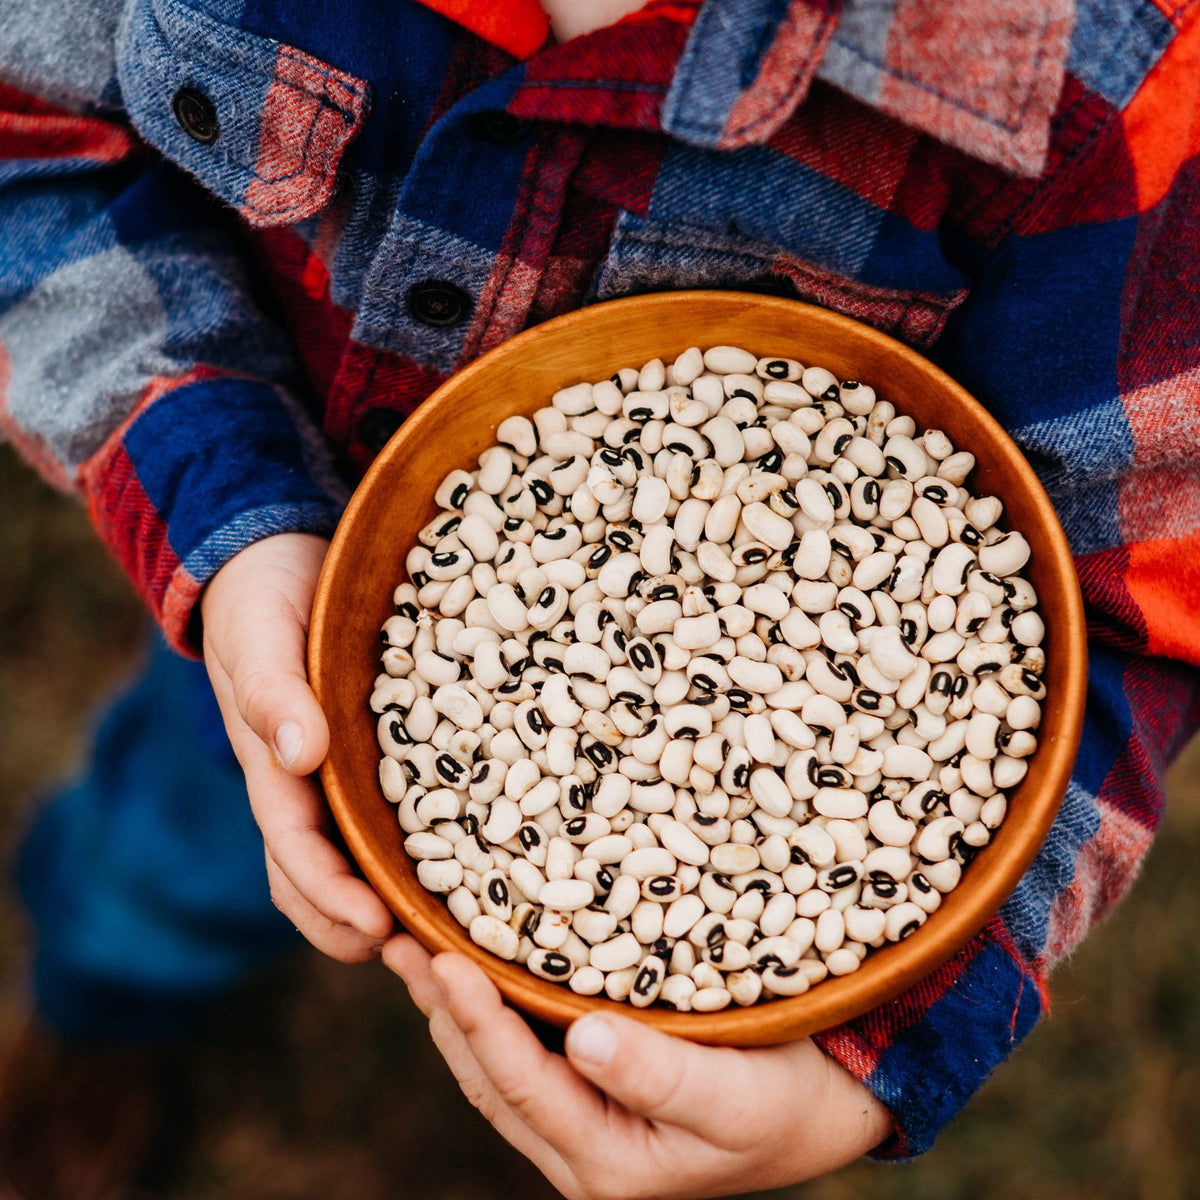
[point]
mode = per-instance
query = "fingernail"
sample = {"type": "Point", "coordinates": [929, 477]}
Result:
{"type": "Point", "coordinates": [289, 738]}
{"type": "Point", "coordinates": [593, 1039]}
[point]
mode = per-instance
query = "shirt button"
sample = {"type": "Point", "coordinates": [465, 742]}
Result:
{"type": "Point", "coordinates": [377, 425]}
{"type": "Point", "coordinates": [502, 128]}
{"type": "Point", "coordinates": [438, 303]}
{"type": "Point", "coordinates": [196, 114]}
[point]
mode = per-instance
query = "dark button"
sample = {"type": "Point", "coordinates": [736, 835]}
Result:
{"type": "Point", "coordinates": [376, 425]}
{"type": "Point", "coordinates": [196, 114]}
{"type": "Point", "coordinates": [437, 303]}
{"type": "Point", "coordinates": [503, 129]}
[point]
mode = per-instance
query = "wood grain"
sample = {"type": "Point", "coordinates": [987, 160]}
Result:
{"type": "Point", "coordinates": [394, 500]}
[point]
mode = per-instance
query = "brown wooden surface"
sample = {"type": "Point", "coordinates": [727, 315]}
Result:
{"type": "Point", "coordinates": [450, 429]}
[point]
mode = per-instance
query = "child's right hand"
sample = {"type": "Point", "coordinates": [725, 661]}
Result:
{"type": "Point", "coordinates": [256, 610]}
{"type": "Point", "coordinates": [632, 1113]}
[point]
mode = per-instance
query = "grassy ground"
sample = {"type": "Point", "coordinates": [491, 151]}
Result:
{"type": "Point", "coordinates": [318, 1082]}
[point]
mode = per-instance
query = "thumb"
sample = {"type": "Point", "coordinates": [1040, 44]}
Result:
{"type": "Point", "coordinates": [659, 1077]}
{"type": "Point", "coordinates": [256, 629]}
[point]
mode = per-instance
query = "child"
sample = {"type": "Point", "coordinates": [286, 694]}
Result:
{"type": "Point", "coordinates": [1007, 187]}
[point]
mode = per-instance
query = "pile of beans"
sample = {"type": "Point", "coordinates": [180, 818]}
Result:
{"type": "Point", "coordinates": [711, 678]}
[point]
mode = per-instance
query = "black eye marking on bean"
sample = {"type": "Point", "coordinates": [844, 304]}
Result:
{"type": "Point", "coordinates": [449, 768]}
{"type": "Point", "coordinates": [932, 800]}
{"type": "Point", "coordinates": [647, 977]}
{"type": "Point", "coordinates": [497, 891]}
{"type": "Point", "coordinates": [529, 836]}
{"type": "Point", "coordinates": [599, 753]}
{"type": "Point", "coordinates": [642, 656]}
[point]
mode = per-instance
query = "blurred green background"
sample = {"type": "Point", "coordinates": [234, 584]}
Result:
{"type": "Point", "coordinates": [318, 1081]}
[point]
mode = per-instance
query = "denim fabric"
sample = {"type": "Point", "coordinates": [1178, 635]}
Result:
{"type": "Point", "coordinates": [145, 881]}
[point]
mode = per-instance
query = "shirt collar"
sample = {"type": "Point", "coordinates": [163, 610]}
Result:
{"type": "Point", "coordinates": [982, 76]}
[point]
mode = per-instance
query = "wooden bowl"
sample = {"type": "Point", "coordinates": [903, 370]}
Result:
{"type": "Point", "coordinates": [452, 427]}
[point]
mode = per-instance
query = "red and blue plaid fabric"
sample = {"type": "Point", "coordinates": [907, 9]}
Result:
{"type": "Point", "coordinates": [211, 307]}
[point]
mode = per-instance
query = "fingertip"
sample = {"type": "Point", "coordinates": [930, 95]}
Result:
{"type": "Point", "coordinates": [402, 952]}
{"type": "Point", "coordinates": [377, 923]}
{"type": "Point", "coordinates": [301, 740]}
{"type": "Point", "coordinates": [456, 969]}
{"type": "Point", "coordinates": [592, 1041]}
{"type": "Point", "coordinates": [471, 992]}
{"type": "Point", "coordinates": [288, 743]}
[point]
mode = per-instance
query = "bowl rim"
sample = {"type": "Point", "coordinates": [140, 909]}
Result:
{"type": "Point", "coordinates": [835, 1000]}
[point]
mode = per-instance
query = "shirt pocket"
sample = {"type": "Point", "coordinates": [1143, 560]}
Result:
{"type": "Point", "coordinates": [262, 125]}
{"type": "Point", "coordinates": [646, 255]}
{"type": "Point", "coordinates": [756, 219]}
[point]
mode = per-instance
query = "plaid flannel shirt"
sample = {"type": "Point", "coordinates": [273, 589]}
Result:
{"type": "Point", "coordinates": [1009, 185]}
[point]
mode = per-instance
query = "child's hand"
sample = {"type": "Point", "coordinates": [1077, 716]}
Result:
{"type": "Point", "coordinates": [631, 1112]}
{"type": "Point", "coordinates": [256, 611]}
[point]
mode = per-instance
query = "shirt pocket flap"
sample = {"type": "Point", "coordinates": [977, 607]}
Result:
{"type": "Point", "coordinates": [261, 124]}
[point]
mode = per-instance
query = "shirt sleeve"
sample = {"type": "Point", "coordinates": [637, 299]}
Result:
{"type": "Point", "coordinates": [1122, 464]}
{"type": "Point", "coordinates": [135, 368]}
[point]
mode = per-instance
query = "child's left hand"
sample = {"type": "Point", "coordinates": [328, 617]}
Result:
{"type": "Point", "coordinates": [631, 1112]}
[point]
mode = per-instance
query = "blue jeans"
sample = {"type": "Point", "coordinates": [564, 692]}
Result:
{"type": "Point", "coordinates": [145, 881]}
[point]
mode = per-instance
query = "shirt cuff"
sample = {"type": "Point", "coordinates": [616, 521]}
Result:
{"type": "Point", "coordinates": [926, 1052]}
{"type": "Point", "coordinates": [202, 472]}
